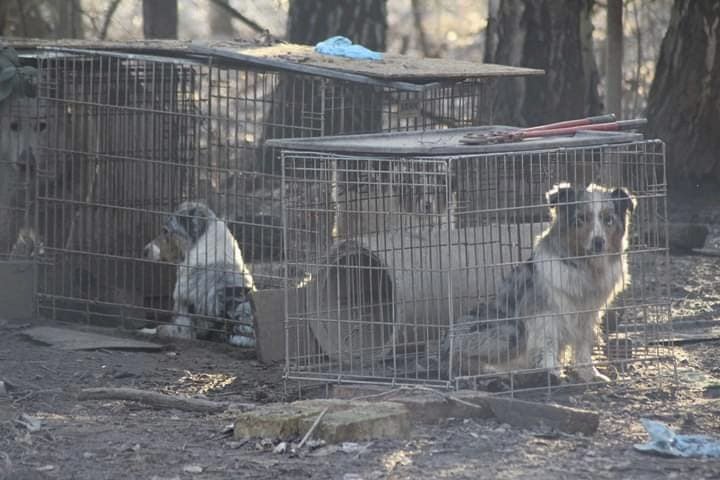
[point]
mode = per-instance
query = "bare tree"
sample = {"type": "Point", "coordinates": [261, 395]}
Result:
{"type": "Point", "coordinates": [112, 8]}
{"type": "Point", "coordinates": [69, 19]}
{"type": "Point", "coordinates": [298, 106]}
{"type": "Point", "coordinates": [554, 35]}
{"type": "Point", "coordinates": [614, 57]}
{"type": "Point", "coordinates": [221, 25]}
{"type": "Point", "coordinates": [684, 101]}
{"type": "Point", "coordinates": [362, 21]}
{"type": "Point", "coordinates": [23, 18]}
{"type": "Point", "coordinates": [160, 18]}
{"type": "Point", "coordinates": [420, 29]}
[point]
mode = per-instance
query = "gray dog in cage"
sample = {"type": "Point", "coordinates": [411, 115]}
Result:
{"type": "Point", "coordinates": [214, 289]}
{"type": "Point", "coordinates": [550, 306]}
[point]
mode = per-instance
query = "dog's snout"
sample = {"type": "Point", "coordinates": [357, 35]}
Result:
{"type": "Point", "coordinates": [26, 160]}
{"type": "Point", "coordinates": [151, 251]}
{"type": "Point", "coordinates": [598, 244]}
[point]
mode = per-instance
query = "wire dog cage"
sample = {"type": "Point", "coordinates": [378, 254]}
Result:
{"type": "Point", "coordinates": [134, 129]}
{"type": "Point", "coordinates": [422, 246]}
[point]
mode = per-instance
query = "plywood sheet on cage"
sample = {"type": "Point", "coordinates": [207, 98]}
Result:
{"type": "Point", "coordinates": [391, 67]}
{"type": "Point", "coordinates": [447, 142]}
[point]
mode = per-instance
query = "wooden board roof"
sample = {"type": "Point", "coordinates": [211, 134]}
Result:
{"type": "Point", "coordinates": [392, 67]}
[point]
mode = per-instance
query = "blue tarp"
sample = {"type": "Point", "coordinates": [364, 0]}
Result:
{"type": "Point", "coordinates": [664, 441]}
{"type": "Point", "coordinates": [343, 47]}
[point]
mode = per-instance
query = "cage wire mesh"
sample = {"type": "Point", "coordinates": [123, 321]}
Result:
{"type": "Point", "coordinates": [20, 127]}
{"type": "Point", "coordinates": [131, 136]}
{"type": "Point", "coordinates": [402, 256]}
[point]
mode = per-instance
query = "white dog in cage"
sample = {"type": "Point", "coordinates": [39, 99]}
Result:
{"type": "Point", "coordinates": [553, 302]}
{"type": "Point", "coordinates": [214, 289]}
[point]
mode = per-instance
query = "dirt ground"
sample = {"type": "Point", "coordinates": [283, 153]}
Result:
{"type": "Point", "coordinates": [124, 440]}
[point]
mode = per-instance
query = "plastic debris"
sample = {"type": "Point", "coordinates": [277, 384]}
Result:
{"type": "Point", "coordinates": [343, 47]}
{"type": "Point", "coordinates": [663, 441]}
{"type": "Point", "coordinates": [192, 469]}
{"type": "Point", "coordinates": [32, 424]}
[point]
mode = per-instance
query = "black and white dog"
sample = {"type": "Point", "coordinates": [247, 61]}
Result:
{"type": "Point", "coordinates": [553, 302]}
{"type": "Point", "coordinates": [214, 289]}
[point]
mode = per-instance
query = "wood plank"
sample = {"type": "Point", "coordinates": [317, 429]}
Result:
{"type": "Point", "coordinates": [70, 339]}
{"type": "Point", "coordinates": [391, 67]}
{"type": "Point", "coordinates": [429, 405]}
{"type": "Point", "coordinates": [17, 296]}
{"type": "Point", "coordinates": [160, 400]}
{"type": "Point", "coordinates": [270, 324]}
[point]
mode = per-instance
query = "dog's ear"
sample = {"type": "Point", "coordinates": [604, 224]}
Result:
{"type": "Point", "coordinates": [562, 193]}
{"type": "Point", "coordinates": [624, 201]}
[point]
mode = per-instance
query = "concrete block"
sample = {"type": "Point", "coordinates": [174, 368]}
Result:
{"type": "Point", "coordinates": [361, 421]}
{"type": "Point", "coordinates": [344, 421]}
{"type": "Point", "coordinates": [280, 420]}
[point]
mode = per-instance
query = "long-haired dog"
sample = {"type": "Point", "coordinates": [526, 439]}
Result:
{"type": "Point", "coordinates": [553, 302]}
{"type": "Point", "coordinates": [214, 289]}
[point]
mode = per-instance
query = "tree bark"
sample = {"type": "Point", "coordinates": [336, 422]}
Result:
{"type": "Point", "coordinates": [684, 101]}
{"type": "Point", "coordinates": [552, 35]}
{"type": "Point", "coordinates": [614, 75]}
{"type": "Point", "coordinates": [160, 18]}
{"type": "Point", "coordinates": [362, 21]}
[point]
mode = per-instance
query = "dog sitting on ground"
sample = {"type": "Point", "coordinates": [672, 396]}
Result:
{"type": "Point", "coordinates": [553, 301]}
{"type": "Point", "coordinates": [213, 285]}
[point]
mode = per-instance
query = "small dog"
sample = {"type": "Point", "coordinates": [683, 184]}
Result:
{"type": "Point", "coordinates": [28, 245]}
{"type": "Point", "coordinates": [554, 301]}
{"type": "Point", "coordinates": [212, 279]}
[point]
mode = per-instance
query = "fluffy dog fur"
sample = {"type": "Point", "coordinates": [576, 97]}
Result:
{"type": "Point", "coordinates": [212, 279]}
{"type": "Point", "coordinates": [553, 302]}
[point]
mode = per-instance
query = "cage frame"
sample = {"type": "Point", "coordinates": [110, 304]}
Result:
{"type": "Point", "coordinates": [203, 59]}
{"type": "Point", "coordinates": [443, 146]}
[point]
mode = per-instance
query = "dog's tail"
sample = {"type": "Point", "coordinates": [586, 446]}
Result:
{"type": "Point", "coordinates": [478, 341]}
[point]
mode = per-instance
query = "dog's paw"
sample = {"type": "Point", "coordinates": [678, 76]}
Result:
{"type": "Point", "coordinates": [592, 375]}
{"type": "Point", "coordinates": [241, 341]}
{"type": "Point", "coordinates": [174, 331]}
{"type": "Point", "coordinates": [151, 332]}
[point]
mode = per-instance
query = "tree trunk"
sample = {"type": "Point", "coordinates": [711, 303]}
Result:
{"type": "Point", "coordinates": [362, 21]}
{"type": "Point", "coordinates": [614, 75]}
{"type": "Point", "coordinates": [221, 25]}
{"type": "Point", "coordinates": [69, 19]}
{"type": "Point", "coordinates": [684, 101]}
{"type": "Point", "coordinates": [160, 18]}
{"type": "Point", "coordinates": [552, 35]}
{"type": "Point", "coordinates": [307, 106]}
